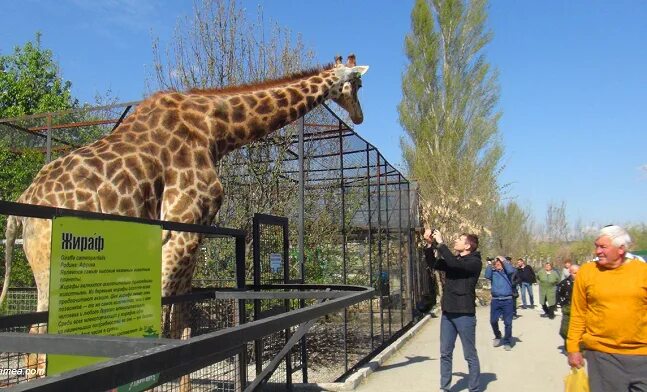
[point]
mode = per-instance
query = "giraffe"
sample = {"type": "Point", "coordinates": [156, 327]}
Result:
{"type": "Point", "coordinates": [160, 163]}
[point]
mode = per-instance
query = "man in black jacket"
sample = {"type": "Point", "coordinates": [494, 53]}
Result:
{"type": "Point", "coordinates": [459, 295]}
{"type": "Point", "coordinates": [527, 277]}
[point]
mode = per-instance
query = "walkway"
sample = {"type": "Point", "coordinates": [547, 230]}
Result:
{"type": "Point", "coordinates": [534, 364]}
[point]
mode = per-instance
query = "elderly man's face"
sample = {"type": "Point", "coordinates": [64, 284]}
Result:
{"type": "Point", "coordinates": [609, 256]}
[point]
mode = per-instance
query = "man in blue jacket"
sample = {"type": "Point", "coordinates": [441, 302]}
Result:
{"type": "Point", "coordinates": [459, 311]}
{"type": "Point", "coordinates": [500, 272]}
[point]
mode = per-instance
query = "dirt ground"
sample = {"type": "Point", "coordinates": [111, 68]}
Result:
{"type": "Point", "coordinates": [536, 362]}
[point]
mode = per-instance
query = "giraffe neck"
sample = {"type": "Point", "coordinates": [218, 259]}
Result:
{"type": "Point", "coordinates": [251, 115]}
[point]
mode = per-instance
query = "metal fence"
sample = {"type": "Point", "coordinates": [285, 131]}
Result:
{"type": "Point", "coordinates": [351, 221]}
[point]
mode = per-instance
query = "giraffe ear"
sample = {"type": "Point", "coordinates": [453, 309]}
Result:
{"type": "Point", "coordinates": [360, 69]}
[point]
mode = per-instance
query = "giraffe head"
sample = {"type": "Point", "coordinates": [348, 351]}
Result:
{"type": "Point", "coordinates": [350, 81]}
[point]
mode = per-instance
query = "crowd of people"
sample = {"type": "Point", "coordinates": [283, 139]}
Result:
{"type": "Point", "coordinates": [603, 305]}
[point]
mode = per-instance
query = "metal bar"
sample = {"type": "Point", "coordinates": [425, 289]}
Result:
{"type": "Point", "coordinates": [95, 346]}
{"type": "Point", "coordinates": [242, 316]}
{"type": "Point", "coordinates": [370, 240]}
{"type": "Point", "coordinates": [43, 212]}
{"type": "Point", "coordinates": [344, 256]}
{"type": "Point", "coordinates": [388, 254]}
{"type": "Point", "coordinates": [300, 332]}
{"type": "Point", "coordinates": [301, 239]}
{"type": "Point", "coordinates": [48, 155]}
{"type": "Point", "coordinates": [379, 238]}
{"type": "Point", "coordinates": [400, 254]}
{"type": "Point", "coordinates": [256, 240]}
{"type": "Point", "coordinates": [130, 367]}
{"type": "Point", "coordinates": [121, 118]}
{"type": "Point", "coordinates": [78, 124]}
{"type": "Point", "coordinates": [410, 233]}
{"type": "Point", "coordinates": [39, 115]}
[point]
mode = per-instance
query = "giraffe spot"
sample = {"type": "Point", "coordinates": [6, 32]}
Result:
{"type": "Point", "coordinates": [182, 158]}
{"type": "Point", "coordinates": [310, 101]}
{"type": "Point", "coordinates": [314, 89]}
{"type": "Point", "coordinates": [170, 179]}
{"type": "Point", "coordinates": [250, 100]}
{"type": "Point", "coordinates": [201, 160]}
{"type": "Point", "coordinates": [196, 121]}
{"type": "Point", "coordinates": [165, 157]}
{"type": "Point", "coordinates": [316, 79]}
{"type": "Point", "coordinates": [154, 118]}
{"type": "Point", "coordinates": [294, 114]}
{"type": "Point", "coordinates": [95, 163]}
{"type": "Point", "coordinates": [303, 85]}
{"type": "Point", "coordinates": [174, 144]}
{"type": "Point", "coordinates": [240, 133]}
{"type": "Point", "coordinates": [261, 95]}
{"type": "Point", "coordinates": [124, 182]}
{"type": "Point", "coordinates": [238, 115]}
{"type": "Point", "coordinates": [123, 149]}
{"type": "Point", "coordinates": [295, 95]}
{"type": "Point", "coordinates": [134, 165]}
{"type": "Point", "coordinates": [113, 166]}
{"type": "Point", "coordinates": [221, 112]}
{"type": "Point", "coordinates": [264, 107]}
{"type": "Point", "coordinates": [235, 101]}
{"type": "Point", "coordinates": [151, 149]}
{"type": "Point", "coordinates": [138, 127]}
{"type": "Point", "coordinates": [108, 156]}
{"type": "Point", "coordinates": [170, 119]}
{"type": "Point", "coordinates": [168, 102]}
{"type": "Point", "coordinates": [108, 198]}
{"type": "Point", "coordinates": [51, 199]}
{"type": "Point", "coordinates": [277, 122]}
{"type": "Point", "coordinates": [82, 195]}
{"type": "Point", "coordinates": [302, 109]}
{"type": "Point", "coordinates": [127, 207]}
{"type": "Point", "coordinates": [177, 96]}
{"type": "Point", "coordinates": [280, 98]}
{"type": "Point", "coordinates": [195, 106]}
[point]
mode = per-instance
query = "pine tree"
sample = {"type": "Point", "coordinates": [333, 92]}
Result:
{"type": "Point", "coordinates": [448, 113]}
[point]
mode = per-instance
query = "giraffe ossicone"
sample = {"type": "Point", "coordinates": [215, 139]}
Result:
{"type": "Point", "coordinates": [160, 163]}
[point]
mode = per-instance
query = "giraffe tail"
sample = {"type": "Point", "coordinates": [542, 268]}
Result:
{"type": "Point", "coordinates": [13, 224]}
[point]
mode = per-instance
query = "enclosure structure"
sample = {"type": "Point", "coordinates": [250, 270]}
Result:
{"type": "Point", "coordinates": [351, 221]}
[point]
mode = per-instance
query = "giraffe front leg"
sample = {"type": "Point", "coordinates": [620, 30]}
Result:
{"type": "Point", "coordinates": [37, 247]}
{"type": "Point", "coordinates": [179, 256]}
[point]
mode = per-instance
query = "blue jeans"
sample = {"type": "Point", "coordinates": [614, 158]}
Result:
{"type": "Point", "coordinates": [527, 287]}
{"type": "Point", "coordinates": [464, 326]}
{"type": "Point", "coordinates": [505, 308]}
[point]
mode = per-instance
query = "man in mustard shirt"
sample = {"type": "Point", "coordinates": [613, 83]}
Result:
{"type": "Point", "coordinates": [609, 316]}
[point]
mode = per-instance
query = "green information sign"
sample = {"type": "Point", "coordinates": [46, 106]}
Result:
{"type": "Point", "coordinates": [105, 280]}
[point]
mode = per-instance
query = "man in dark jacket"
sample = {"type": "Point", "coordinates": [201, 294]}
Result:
{"type": "Point", "coordinates": [459, 294]}
{"type": "Point", "coordinates": [527, 277]}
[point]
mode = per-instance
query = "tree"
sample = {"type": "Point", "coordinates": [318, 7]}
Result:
{"type": "Point", "coordinates": [556, 223]}
{"type": "Point", "coordinates": [511, 234]}
{"type": "Point", "coordinates": [30, 82]}
{"type": "Point", "coordinates": [451, 146]}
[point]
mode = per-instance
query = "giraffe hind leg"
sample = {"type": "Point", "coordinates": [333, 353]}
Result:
{"type": "Point", "coordinates": [37, 247]}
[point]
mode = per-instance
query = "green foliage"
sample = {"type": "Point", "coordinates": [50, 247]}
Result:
{"type": "Point", "coordinates": [511, 235]}
{"type": "Point", "coordinates": [448, 112]}
{"type": "Point", "coordinates": [30, 82]}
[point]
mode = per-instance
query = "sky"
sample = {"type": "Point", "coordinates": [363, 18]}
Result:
{"type": "Point", "coordinates": [572, 73]}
